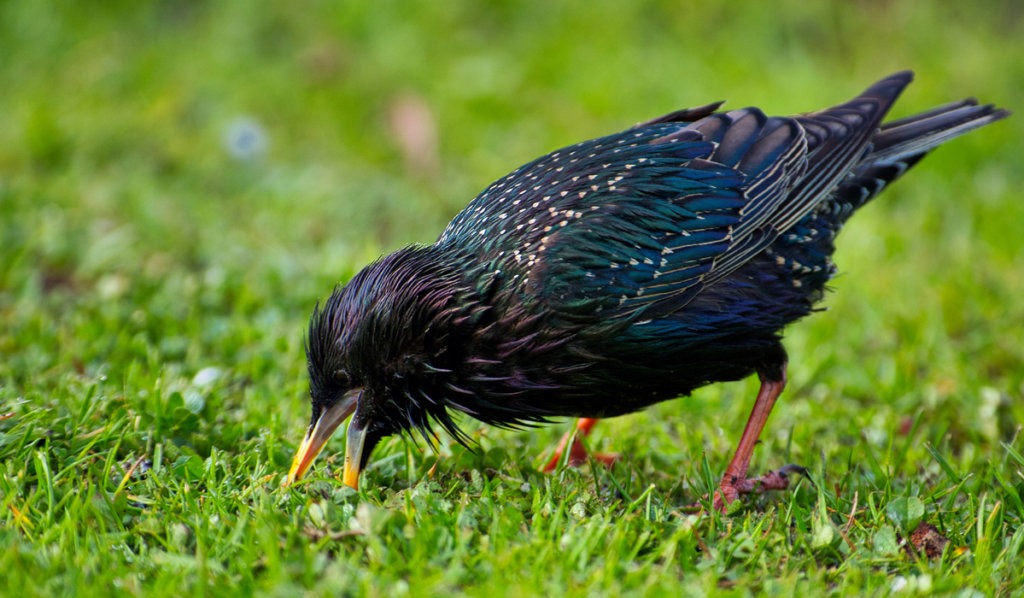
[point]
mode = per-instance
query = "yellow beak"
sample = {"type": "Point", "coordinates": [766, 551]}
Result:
{"type": "Point", "coordinates": [320, 432]}
{"type": "Point", "coordinates": [353, 455]}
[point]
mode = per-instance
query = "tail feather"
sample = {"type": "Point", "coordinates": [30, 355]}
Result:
{"type": "Point", "coordinates": [920, 133]}
{"type": "Point", "coordinates": [936, 111]}
{"type": "Point", "coordinates": [902, 143]}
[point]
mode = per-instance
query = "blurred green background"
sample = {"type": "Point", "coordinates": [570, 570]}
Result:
{"type": "Point", "coordinates": [181, 181]}
{"type": "Point", "coordinates": [115, 115]}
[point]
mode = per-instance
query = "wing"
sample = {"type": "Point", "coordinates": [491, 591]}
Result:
{"type": "Point", "coordinates": [639, 222]}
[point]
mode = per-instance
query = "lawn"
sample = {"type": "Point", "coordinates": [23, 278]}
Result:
{"type": "Point", "coordinates": [180, 182]}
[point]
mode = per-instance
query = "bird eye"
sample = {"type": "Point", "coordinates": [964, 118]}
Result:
{"type": "Point", "coordinates": [341, 378]}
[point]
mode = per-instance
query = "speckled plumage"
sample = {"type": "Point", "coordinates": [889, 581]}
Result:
{"type": "Point", "coordinates": [617, 272]}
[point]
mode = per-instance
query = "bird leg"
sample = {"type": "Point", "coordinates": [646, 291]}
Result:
{"type": "Point", "coordinates": [735, 481]}
{"type": "Point", "coordinates": [578, 452]}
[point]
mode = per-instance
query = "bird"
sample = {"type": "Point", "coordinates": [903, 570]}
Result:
{"type": "Point", "coordinates": [613, 274]}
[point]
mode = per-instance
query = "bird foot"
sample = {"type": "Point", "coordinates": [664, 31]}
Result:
{"type": "Point", "coordinates": [731, 487]}
{"type": "Point", "coordinates": [578, 455]}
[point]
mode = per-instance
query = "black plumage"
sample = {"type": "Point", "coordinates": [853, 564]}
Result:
{"type": "Point", "coordinates": [614, 274]}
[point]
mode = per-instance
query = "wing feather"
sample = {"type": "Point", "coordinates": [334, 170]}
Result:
{"type": "Point", "coordinates": [652, 215]}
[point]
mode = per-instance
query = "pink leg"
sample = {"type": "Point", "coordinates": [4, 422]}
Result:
{"type": "Point", "coordinates": [577, 452]}
{"type": "Point", "coordinates": [735, 481]}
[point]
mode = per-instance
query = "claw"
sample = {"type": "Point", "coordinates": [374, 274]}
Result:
{"type": "Point", "coordinates": [577, 452]}
{"type": "Point", "coordinates": [731, 489]}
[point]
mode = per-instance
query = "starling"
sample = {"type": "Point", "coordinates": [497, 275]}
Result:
{"type": "Point", "coordinates": [614, 274]}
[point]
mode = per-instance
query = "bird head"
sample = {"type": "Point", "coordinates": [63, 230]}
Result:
{"type": "Point", "coordinates": [374, 352]}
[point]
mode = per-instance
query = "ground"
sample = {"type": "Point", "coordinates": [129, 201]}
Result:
{"type": "Point", "coordinates": [181, 181]}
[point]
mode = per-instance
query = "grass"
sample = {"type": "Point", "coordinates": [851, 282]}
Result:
{"type": "Point", "coordinates": [180, 182]}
